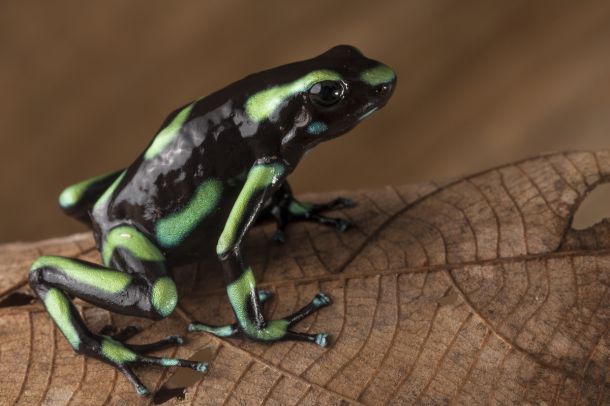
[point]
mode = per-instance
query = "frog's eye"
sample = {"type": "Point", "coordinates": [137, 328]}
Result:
{"type": "Point", "coordinates": [327, 93]}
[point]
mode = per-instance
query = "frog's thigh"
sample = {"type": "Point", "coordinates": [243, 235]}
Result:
{"type": "Point", "coordinates": [125, 246]}
{"type": "Point", "coordinates": [134, 280]}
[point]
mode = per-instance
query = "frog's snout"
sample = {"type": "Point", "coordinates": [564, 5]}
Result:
{"type": "Point", "coordinates": [382, 92]}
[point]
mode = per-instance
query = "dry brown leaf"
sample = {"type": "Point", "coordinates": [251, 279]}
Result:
{"type": "Point", "coordinates": [474, 291]}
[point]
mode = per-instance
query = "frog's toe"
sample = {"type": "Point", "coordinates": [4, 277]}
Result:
{"type": "Point", "coordinates": [175, 362]}
{"type": "Point", "coordinates": [279, 236]}
{"type": "Point", "coordinates": [120, 334]}
{"type": "Point", "coordinates": [229, 330]}
{"type": "Point", "coordinates": [343, 203]}
{"type": "Point", "coordinates": [264, 295]}
{"type": "Point", "coordinates": [142, 390]}
{"type": "Point", "coordinates": [169, 341]}
{"type": "Point", "coordinates": [342, 224]}
{"type": "Point", "coordinates": [135, 381]}
{"type": "Point", "coordinates": [126, 356]}
{"type": "Point", "coordinates": [321, 300]}
{"type": "Point", "coordinates": [177, 340]}
{"type": "Point", "coordinates": [322, 339]}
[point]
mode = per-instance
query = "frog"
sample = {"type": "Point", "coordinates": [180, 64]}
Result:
{"type": "Point", "coordinates": [217, 166]}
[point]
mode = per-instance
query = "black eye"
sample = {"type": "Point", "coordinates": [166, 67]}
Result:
{"type": "Point", "coordinates": [327, 93]}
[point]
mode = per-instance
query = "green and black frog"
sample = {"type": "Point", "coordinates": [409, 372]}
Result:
{"type": "Point", "coordinates": [216, 166]}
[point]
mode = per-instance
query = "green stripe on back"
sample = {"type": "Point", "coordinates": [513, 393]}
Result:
{"type": "Point", "coordinates": [167, 134]}
{"type": "Point", "coordinates": [71, 195]}
{"type": "Point", "coordinates": [103, 279]}
{"type": "Point", "coordinates": [103, 198]}
{"type": "Point", "coordinates": [174, 228]}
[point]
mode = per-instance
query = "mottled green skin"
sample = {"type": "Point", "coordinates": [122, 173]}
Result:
{"type": "Point", "coordinates": [216, 166]}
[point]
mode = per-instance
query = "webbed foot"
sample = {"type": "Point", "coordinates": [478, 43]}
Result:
{"type": "Point", "coordinates": [289, 210]}
{"type": "Point", "coordinates": [125, 356]}
{"type": "Point", "coordinates": [273, 330]}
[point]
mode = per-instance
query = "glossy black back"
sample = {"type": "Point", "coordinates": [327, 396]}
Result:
{"type": "Point", "coordinates": [219, 140]}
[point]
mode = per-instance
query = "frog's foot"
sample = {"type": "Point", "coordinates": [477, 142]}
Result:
{"type": "Point", "coordinates": [274, 330]}
{"type": "Point", "coordinates": [291, 210]}
{"type": "Point", "coordinates": [125, 356]}
{"type": "Point", "coordinates": [228, 330]}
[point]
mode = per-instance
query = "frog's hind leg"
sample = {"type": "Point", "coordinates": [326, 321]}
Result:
{"type": "Point", "coordinates": [76, 200]}
{"type": "Point", "coordinates": [134, 281]}
{"type": "Point", "coordinates": [285, 209]}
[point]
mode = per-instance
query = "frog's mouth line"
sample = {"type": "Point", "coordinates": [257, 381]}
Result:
{"type": "Point", "coordinates": [368, 113]}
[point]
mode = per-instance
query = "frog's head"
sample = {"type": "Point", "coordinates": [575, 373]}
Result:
{"type": "Point", "coordinates": [321, 98]}
{"type": "Point", "coordinates": [346, 88]}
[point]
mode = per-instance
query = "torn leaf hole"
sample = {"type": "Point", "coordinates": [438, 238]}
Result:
{"type": "Point", "coordinates": [17, 299]}
{"type": "Point", "coordinates": [450, 298]}
{"type": "Point", "coordinates": [594, 209]}
{"type": "Point", "coordinates": [176, 386]}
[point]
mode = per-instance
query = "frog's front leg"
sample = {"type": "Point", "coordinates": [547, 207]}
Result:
{"type": "Point", "coordinates": [263, 179]}
{"type": "Point", "coordinates": [285, 209]}
{"type": "Point", "coordinates": [133, 282]}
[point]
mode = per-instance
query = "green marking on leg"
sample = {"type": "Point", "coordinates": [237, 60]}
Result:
{"type": "Point", "coordinates": [133, 240]}
{"type": "Point", "coordinates": [74, 193]}
{"type": "Point", "coordinates": [104, 197]}
{"type": "Point", "coordinates": [174, 228]}
{"type": "Point", "coordinates": [103, 279]}
{"type": "Point", "coordinates": [117, 352]}
{"type": "Point", "coordinates": [58, 306]}
{"type": "Point", "coordinates": [259, 177]}
{"type": "Point", "coordinates": [220, 331]}
{"type": "Point", "coordinates": [298, 208]}
{"type": "Point", "coordinates": [262, 105]}
{"type": "Point", "coordinates": [239, 293]}
{"type": "Point", "coordinates": [378, 75]}
{"type": "Point", "coordinates": [164, 296]}
{"type": "Point", "coordinates": [167, 134]}
{"type": "Point", "coordinates": [169, 362]}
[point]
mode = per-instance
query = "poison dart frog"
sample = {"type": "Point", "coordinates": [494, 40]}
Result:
{"type": "Point", "coordinates": [216, 166]}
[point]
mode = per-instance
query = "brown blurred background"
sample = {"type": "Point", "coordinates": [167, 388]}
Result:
{"type": "Point", "coordinates": [84, 86]}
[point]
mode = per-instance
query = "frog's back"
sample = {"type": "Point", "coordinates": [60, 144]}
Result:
{"type": "Point", "coordinates": [179, 190]}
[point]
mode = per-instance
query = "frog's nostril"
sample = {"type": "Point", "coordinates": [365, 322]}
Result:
{"type": "Point", "coordinates": [382, 89]}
